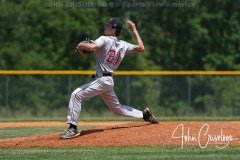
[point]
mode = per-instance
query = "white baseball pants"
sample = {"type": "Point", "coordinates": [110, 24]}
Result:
{"type": "Point", "coordinates": [100, 86]}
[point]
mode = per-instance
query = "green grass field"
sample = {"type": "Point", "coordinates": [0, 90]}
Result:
{"type": "Point", "coordinates": [27, 131]}
{"type": "Point", "coordinates": [111, 153]}
{"type": "Point", "coordinates": [121, 153]}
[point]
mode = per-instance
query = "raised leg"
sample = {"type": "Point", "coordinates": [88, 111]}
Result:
{"type": "Point", "coordinates": [114, 105]}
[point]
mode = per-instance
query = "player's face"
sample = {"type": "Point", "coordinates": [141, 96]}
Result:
{"type": "Point", "coordinates": [109, 31]}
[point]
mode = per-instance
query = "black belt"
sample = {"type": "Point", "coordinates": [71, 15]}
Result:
{"type": "Point", "coordinates": [104, 75]}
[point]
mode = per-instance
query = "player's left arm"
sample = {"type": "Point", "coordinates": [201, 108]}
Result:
{"type": "Point", "coordinates": [87, 46]}
{"type": "Point", "coordinates": [133, 29]}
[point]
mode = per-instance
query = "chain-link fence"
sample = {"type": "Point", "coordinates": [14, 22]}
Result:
{"type": "Point", "coordinates": [48, 95]}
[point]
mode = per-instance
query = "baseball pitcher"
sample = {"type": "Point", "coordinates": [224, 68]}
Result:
{"type": "Point", "coordinates": [109, 51]}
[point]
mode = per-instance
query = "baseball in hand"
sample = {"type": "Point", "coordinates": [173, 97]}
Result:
{"type": "Point", "coordinates": [131, 25]}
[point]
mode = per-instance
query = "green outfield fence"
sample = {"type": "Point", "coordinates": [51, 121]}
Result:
{"type": "Point", "coordinates": [169, 93]}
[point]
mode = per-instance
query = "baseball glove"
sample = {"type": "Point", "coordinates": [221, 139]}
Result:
{"type": "Point", "coordinates": [82, 52]}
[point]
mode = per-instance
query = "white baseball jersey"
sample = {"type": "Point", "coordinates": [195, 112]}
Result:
{"type": "Point", "coordinates": [110, 53]}
{"type": "Point", "coordinates": [108, 56]}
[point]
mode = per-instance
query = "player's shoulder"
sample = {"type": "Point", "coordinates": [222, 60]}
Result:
{"type": "Point", "coordinates": [112, 38]}
{"type": "Point", "coordinates": [102, 37]}
{"type": "Point", "coordinates": [122, 41]}
{"type": "Point", "coordinates": [125, 43]}
{"type": "Point", "coordinates": [101, 40]}
{"type": "Point", "coordinates": [105, 38]}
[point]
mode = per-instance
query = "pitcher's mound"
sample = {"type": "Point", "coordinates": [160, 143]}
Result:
{"type": "Point", "coordinates": [141, 133]}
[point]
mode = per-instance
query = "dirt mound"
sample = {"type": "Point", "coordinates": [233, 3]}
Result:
{"type": "Point", "coordinates": [140, 133]}
{"type": "Point", "coordinates": [59, 124]}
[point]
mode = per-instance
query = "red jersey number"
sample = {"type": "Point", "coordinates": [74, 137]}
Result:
{"type": "Point", "coordinates": [113, 57]}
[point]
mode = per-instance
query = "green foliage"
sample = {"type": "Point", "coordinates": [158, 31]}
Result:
{"type": "Point", "coordinates": [37, 36]}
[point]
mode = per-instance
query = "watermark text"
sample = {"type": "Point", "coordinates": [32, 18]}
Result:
{"type": "Point", "coordinates": [203, 137]}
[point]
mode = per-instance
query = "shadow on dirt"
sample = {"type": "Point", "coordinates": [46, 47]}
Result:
{"type": "Point", "coordinates": [91, 131]}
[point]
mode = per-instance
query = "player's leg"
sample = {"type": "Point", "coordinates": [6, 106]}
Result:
{"type": "Point", "coordinates": [111, 99]}
{"type": "Point", "coordinates": [84, 92]}
{"type": "Point", "coordinates": [78, 96]}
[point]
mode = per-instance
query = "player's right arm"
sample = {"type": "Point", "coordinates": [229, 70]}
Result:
{"type": "Point", "coordinates": [133, 29]}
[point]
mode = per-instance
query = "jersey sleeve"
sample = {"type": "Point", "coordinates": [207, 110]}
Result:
{"type": "Point", "coordinates": [130, 47]}
{"type": "Point", "coordinates": [100, 41]}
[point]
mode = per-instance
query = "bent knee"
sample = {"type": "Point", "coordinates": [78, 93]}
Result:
{"type": "Point", "coordinates": [77, 94]}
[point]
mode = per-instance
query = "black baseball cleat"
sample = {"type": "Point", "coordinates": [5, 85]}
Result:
{"type": "Point", "coordinates": [148, 116]}
{"type": "Point", "coordinates": [70, 133]}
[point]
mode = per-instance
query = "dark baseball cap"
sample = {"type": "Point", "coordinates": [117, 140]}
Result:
{"type": "Point", "coordinates": [115, 22]}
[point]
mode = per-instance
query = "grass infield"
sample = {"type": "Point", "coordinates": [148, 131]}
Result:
{"type": "Point", "coordinates": [121, 153]}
